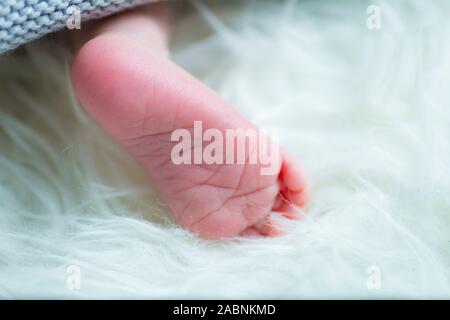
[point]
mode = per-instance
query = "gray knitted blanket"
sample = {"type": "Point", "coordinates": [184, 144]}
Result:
{"type": "Point", "coordinates": [24, 20]}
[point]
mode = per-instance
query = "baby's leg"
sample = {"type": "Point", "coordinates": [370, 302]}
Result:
{"type": "Point", "coordinates": [124, 79]}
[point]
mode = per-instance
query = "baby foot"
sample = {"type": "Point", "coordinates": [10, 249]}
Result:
{"type": "Point", "coordinates": [124, 80]}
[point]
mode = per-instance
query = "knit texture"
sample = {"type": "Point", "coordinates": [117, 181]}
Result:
{"type": "Point", "coordinates": [24, 20]}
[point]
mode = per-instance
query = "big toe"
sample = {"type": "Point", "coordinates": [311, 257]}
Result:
{"type": "Point", "coordinates": [293, 188]}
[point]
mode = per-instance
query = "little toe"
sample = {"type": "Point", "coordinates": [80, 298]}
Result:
{"type": "Point", "coordinates": [267, 227]}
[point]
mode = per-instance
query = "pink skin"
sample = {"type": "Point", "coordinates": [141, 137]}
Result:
{"type": "Point", "coordinates": [122, 76]}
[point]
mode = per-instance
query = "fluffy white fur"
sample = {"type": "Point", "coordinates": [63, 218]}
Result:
{"type": "Point", "coordinates": [367, 113]}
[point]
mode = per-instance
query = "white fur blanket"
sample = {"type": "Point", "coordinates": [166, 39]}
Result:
{"type": "Point", "coordinates": [365, 110]}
